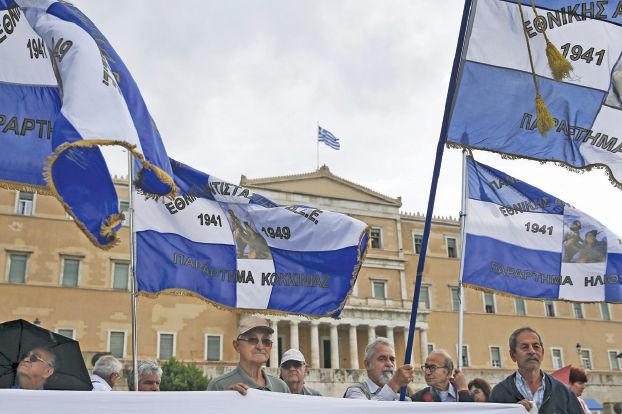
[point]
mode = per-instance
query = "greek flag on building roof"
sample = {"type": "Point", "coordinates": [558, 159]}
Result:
{"type": "Point", "coordinates": [237, 249]}
{"type": "Point", "coordinates": [525, 242]}
{"type": "Point", "coordinates": [495, 102]}
{"type": "Point", "coordinates": [63, 92]}
{"type": "Point", "coordinates": [327, 138]}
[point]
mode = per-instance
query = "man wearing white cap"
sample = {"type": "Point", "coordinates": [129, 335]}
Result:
{"type": "Point", "coordinates": [293, 370]}
{"type": "Point", "coordinates": [253, 343]}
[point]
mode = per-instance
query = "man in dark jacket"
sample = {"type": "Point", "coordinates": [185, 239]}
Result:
{"type": "Point", "coordinates": [445, 384]}
{"type": "Point", "coordinates": [529, 385]}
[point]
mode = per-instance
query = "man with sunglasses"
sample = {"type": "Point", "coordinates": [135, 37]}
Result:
{"type": "Point", "coordinates": [445, 384]}
{"type": "Point", "coordinates": [293, 370]}
{"type": "Point", "coordinates": [253, 342]}
{"type": "Point", "coordinates": [35, 368]}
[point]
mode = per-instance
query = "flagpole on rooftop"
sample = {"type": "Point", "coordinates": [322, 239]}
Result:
{"type": "Point", "coordinates": [133, 270]}
{"type": "Point", "coordinates": [463, 215]}
{"type": "Point", "coordinates": [435, 174]}
{"type": "Point", "coordinates": [318, 145]}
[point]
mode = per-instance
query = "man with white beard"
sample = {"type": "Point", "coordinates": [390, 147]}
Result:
{"type": "Point", "coordinates": [383, 381]}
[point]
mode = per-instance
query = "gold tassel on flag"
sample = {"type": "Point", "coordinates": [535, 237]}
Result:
{"type": "Point", "coordinates": [560, 67]}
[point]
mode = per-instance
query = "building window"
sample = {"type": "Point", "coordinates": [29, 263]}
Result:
{"type": "Point", "coordinates": [521, 307]}
{"type": "Point", "coordinates": [465, 356]}
{"type": "Point", "coordinates": [67, 332]}
{"type": "Point", "coordinates": [213, 347]}
{"type": "Point", "coordinates": [70, 272]}
{"type": "Point", "coordinates": [578, 310]}
{"type": "Point", "coordinates": [124, 207]}
{"type": "Point", "coordinates": [25, 203]}
{"type": "Point", "coordinates": [116, 343]}
{"type": "Point", "coordinates": [605, 313]}
{"type": "Point", "coordinates": [614, 362]}
{"type": "Point", "coordinates": [495, 357]}
{"type": "Point", "coordinates": [417, 240]}
{"type": "Point", "coordinates": [166, 345]}
{"type": "Point", "coordinates": [376, 238]}
{"type": "Point", "coordinates": [431, 347]}
{"type": "Point", "coordinates": [120, 275]}
{"type": "Point", "coordinates": [18, 264]}
{"type": "Point", "coordinates": [455, 298]}
{"type": "Point", "coordinates": [379, 289]}
{"type": "Point", "coordinates": [424, 297]}
{"type": "Point", "coordinates": [558, 359]}
{"type": "Point", "coordinates": [489, 302]}
{"type": "Point", "coordinates": [549, 308]}
{"type": "Point", "coordinates": [452, 250]}
{"type": "Point", "coordinates": [586, 358]}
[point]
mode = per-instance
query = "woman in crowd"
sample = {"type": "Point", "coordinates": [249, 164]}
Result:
{"type": "Point", "coordinates": [481, 389]}
{"type": "Point", "coordinates": [577, 381]}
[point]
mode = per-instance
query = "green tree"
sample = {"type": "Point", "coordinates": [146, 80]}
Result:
{"type": "Point", "coordinates": [180, 376]}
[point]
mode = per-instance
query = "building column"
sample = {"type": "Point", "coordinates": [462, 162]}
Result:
{"type": "Point", "coordinates": [371, 333]}
{"type": "Point", "coordinates": [274, 353]}
{"type": "Point", "coordinates": [390, 335]}
{"type": "Point", "coordinates": [423, 340]}
{"type": "Point", "coordinates": [354, 349]}
{"type": "Point", "coordinates": [334, 346]}
{"type": "Point", "coordinates": [293, 335]}
{"type": "Point", "coordinates": [315, 345]}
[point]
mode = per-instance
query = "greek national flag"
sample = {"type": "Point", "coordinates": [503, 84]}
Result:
{"type": "Point", "coordinates": [494, 106]}
{"type": "Point", "coordinates": [525, 242]}
{"type": "Point", "coordinates": [327, 138]}
{"type": "Point", "coordinates": [63, 92]}
{"type": "Point", "coordinates": [237, 249]}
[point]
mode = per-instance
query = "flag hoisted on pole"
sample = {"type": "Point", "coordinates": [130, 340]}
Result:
{"type": "Point", "coordinates": [568, 59]}
{"type": "Point", "coordinates": [325, 136]}
{"type": "Point", "coordinates": [525, 242]}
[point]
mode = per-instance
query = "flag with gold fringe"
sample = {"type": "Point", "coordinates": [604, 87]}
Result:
{"type": "Point", "coordinates": [525, 242]}
{"type": "Point", "coordinates": [542, 80]}
{"type": "Point", "coordinates": [75, 94]}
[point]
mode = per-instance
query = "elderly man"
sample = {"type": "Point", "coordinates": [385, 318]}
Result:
{"type": "Point", "coordinates": [529, 385]}
{"type": "Point", "coordinates": [35, 368]}
{"type": "Point", "coordinates": [106, 372]}
{"type": "Point", "coordinates": [383, 381]}
{"type": "Point", "coordinates": [293, 370]}
{"type": "Point", "coordinates": [149, 376]}
{"type": "Point", "coordinates": [253, 342]}
{"type": "Point", "coordinates": [445, 384]}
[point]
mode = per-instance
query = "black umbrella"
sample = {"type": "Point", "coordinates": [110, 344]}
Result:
{"type": "Point", "coordinates": [19, 337]}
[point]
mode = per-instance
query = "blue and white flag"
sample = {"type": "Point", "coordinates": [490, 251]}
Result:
{"type": "Point", "coordinates": [53, 51]}
{"type": "Point", "coordinates": [327, 138]}
{"type": "Point", "coordinates": [525, 242]}
{"type": "Point", "coordinates": [237, 249]}
{"type": "Point", "coordinates": [494, 105]}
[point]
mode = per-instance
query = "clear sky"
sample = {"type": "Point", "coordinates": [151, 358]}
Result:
{"type": "Point", "coordinates": [239, 87]}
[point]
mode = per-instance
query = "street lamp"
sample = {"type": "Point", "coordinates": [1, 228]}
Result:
{"type": "Point", "coordinates": [37, 322]}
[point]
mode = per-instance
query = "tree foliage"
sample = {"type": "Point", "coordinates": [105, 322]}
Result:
{"type": "Point", "coordinates": [180, 376]}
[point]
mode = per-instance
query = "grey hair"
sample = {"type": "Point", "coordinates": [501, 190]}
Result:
{"type": "Point", "coordinates": [106, 366]}
{"type": "Point", "coordinates": [513, 338]}
{"type": "Point", "coordinates": [146, 367]}
{"type": "Point", "coordinates": [380, 340]}
{"type": "Point", "coordinates": [449, 362]}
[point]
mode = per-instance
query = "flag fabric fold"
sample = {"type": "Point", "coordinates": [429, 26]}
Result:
{"type": "Point", "coordinates": [91, 100]}
{"type": "Point", "coordinates": [328, 138]}
{"type": "Point", "coordinates": [494, 108]}
{"type": "Point", "coordinates": [238, 250]}
{"type": "Point", "coordinates": [524, 242]}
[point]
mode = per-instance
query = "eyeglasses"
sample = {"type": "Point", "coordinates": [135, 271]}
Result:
{"type": "Point", "coordinates": [35, 358]}
{"type": "Point", "coordinates": [291, 364]}
{"type": "Point", "coordinates": [431, 368]}
{"type": "Point", "coordinates": [255, 341]}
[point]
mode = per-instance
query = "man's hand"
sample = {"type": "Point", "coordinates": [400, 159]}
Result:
{"type": "Point", "coordinates": [527, 404]}
{"type": "Point", "coordinates": [239, 387]}
{"type": "Point", "coordinates": [403, 375]}
{"type": "Point", "coordinates": [460, 380]}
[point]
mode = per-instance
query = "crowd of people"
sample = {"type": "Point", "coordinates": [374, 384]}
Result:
{"type": "Point", "coordinates": [528, 385]}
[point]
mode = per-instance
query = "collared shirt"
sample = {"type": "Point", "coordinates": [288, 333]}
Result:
{"type": "Point", "coordinates": [310, 391]}
{"type": "Point", "coordinates": [100, 384]}
{"type": "Point", "coordinates": [377, 393]}
{"type": "Point", "coordinates": [524, 389]}
{"type": "Point", "coordinates": [451, 395]}
{"type": "Point", "coordinates": [238, 375]}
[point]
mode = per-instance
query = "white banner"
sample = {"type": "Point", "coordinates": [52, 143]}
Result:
{"type": "Point", "coordinates": [256, 402]}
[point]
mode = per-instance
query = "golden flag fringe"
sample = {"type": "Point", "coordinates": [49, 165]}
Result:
{"type": "Point", "coordinates": [560, 66]}
{"type": "Point", "coordinates": [544, 118]}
